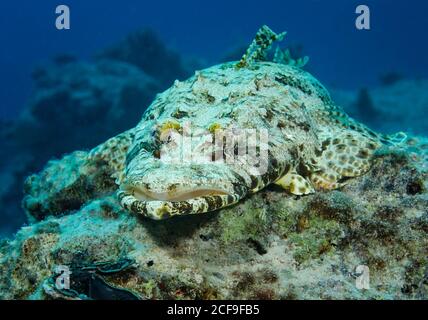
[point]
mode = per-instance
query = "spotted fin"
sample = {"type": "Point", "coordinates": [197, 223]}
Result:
{"type": "Point", "coordinates": [344, 155]}
{"type": "Point", "coordinates": [295, 184]}
{"type": "Point", "coordinates": [326, 179]}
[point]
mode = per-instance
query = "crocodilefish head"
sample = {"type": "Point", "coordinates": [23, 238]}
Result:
{"type": "Point", "coordinates": [228, 131]}
{"type": "Point", "coordinates": [173, 172]}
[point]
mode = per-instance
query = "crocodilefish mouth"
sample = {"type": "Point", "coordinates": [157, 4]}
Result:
{"type": "Point", "coordinates": [158, 195]}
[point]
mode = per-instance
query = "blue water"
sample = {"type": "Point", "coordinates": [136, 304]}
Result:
{"type": "Point", "coordinates": [200, 33]}
{"type": "Point", "coordinates": [340, 54]}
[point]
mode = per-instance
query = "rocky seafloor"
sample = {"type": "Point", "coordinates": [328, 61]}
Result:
{"type": "Point", "coordinates": [270, 246]}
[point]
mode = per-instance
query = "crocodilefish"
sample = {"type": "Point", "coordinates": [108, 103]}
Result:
{"type": "Point", "coordinates": [231, 130]}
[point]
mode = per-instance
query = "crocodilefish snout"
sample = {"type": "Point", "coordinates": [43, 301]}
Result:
{"type": "Point", "coordinates": [160, 191]}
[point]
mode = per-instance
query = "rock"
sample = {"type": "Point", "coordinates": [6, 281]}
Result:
{"type": "Point", "coordinates": [50, 193]}
{"type": "Point", "coordinates": [269, 246]}
{"type": "Point", "coordinates": [145, 50]}
{"type": "Point", "coordinates": [83, 103]}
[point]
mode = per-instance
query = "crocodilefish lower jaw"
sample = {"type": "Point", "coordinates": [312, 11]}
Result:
{"type": "Point", "coordinates": [170, 190]}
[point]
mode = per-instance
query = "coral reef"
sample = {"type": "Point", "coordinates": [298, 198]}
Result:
{"type": "Point", "coordinates": [102, 98]}
{"type": "Point", "coordinates": [55, 195]}
{"type": "Point", "coordinates": [266, 247]}
{"type": "Point", "coordinates": [76, 105]}
{"type": "Point", "coordinates": [268, 243]}
{"type": "Point", "coordinates": [145, 50]}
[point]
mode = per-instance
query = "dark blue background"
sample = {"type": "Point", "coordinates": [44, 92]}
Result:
{"type": "Point", "coordinates": [340, 54]}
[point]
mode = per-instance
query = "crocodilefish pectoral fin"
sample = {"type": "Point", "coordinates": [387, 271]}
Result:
{"type": "Point", "coordinates": [344, 154]}
{"type": "Point", "coordinates": [295, 183]}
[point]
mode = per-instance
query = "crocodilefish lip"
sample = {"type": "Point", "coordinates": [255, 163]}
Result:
{"type": "Point", "coordinates": [162, 205]}
{"type": "Point", "coordinates": [177, 195]}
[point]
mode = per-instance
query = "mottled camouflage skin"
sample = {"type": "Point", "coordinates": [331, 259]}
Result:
{"type": "Point", "coordinates": [312, 144]}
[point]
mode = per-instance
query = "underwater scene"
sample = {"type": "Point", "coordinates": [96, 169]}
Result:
{"type": "Point", "coordinates": [214, 150]}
